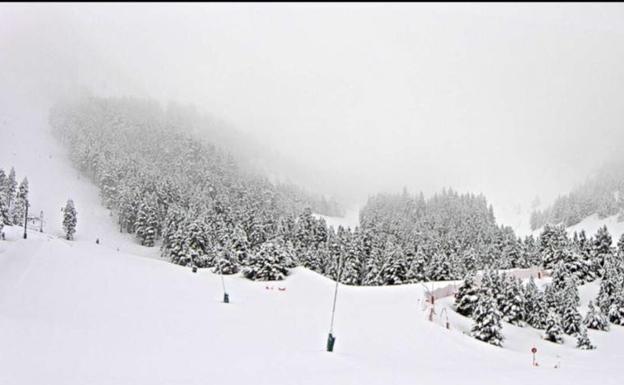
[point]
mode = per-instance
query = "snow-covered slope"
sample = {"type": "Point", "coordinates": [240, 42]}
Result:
{"type": "Point", "coordinates": [27, 145]}
{"type": "Point", "coordinates": [350, 219]}
{"type": "Point", "coordinates": [81, 313]}
{"type": "Point", "coordinates": [591, 225]}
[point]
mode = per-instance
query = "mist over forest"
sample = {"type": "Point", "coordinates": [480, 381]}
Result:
{"type": "Point", "coordinates": [310, 193]}
{"type": "Point", "coordinates": [507, 101]}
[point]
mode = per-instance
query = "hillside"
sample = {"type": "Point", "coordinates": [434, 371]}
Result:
{"type": "Point", "coordinates": [600, 195]}
{"type": "Point", "coordinates": [82, 313]}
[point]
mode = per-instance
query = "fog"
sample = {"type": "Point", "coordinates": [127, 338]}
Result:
{"type": "Point", "coordinates": [511, 100]}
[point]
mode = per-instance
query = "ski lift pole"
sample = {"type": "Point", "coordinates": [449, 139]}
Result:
{"type": "Point", "coordinates": [330, 338]}
{"type": "Point", "coordinates": [226, 297]}
{"type": "Point", "coordinates": [26, 218]}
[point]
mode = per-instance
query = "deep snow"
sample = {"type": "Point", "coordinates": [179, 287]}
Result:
{"type": "Point", "coordinates": [80, 313]}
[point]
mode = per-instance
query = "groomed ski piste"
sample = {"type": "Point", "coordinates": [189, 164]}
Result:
{"type": "Point", "coordinates": [77, 312]}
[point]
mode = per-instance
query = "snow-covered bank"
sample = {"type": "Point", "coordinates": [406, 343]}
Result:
{"type": "Point", "coordinates": [81, 313]}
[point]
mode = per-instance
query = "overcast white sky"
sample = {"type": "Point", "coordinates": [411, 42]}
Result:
{"type": "Point", "coordinates": [512, 100]}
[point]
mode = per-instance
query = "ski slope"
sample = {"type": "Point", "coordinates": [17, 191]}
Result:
{"type": "Point", "coordinates": [81, 313]}
{"type": "Point", "coordinates": [592, 223]}
{"type": "Point", "coordinates": [27, 145]}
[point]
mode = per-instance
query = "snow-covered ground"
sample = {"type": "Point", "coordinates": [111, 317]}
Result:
{"type": "Point", "coordinates": [80, 313]}
{"type": "Point", "coordinates": [591, 225]}
{"type": "Point", "coordinates": [28, 146]}
{"type": "Point", "coordinates": [350, 219]}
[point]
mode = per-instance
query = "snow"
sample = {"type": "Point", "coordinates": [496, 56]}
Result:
{"type": "Point", "coordinates": [350, 219]}
{"type": "Point", "coordinates": [73, 312]}
{"type": "Point", "coordinates": [591, 225]}
{"type": "Point", "coordinates": [28, 146]}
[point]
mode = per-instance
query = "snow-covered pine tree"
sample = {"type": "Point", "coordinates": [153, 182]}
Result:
{"type": "Point", "coordinates": [313, 258]}
{"type": "Point", "coordinates": [373, 268]}
{"type": "Point", "coordinates": [495, 283]}
{"type": "Point", "coordinates": [11, 189]}
{"type": "Point", "coordinates": [240, 245]}
{"type": "Point", "coordinates": [601, 249]}
{"type": "Point", "coordinates": [571, 319]}
{"type": "Point", "coordinates": [4, 213]}
{"type": "Point", "coordinates": [573, 264]}
{"type": "Point", "coordinates": [267, 264]}
{"type": "Point", "coordinates": [225, 263]}
{"type": "Point", "coordinates": [146, 225]}
{"type": "Point", "coordinates": [4, 201]}
{"type": "Point", "coordinates": [305, 228]}
{"type": "Point", "coordinates": [467, 296]}
{"type": "Point", "coordinates": [514, 302]}
{"type": "Point", "coordinates": [108, 188]}
{"type": "Point", "coordinates": [552, 241]}
{"type": "Point", "coordinates": [541, 313]}
{"type": "Point", "coordinates": [439, 268]}
{"type": "Point", "coordinates": [469, 260]}
{"type": "Point", "coordinates": [175, 248]}
{"type": "Point", "coordinates": [174, 220]}
{"type": "Point", "coordinates": [553, 332]}
{"type": "Point", "coordinates": [620, 247]}
{"type": "Point", "coordinates": [197, 246]}
{"type": "Point", "coordinates": [616, 309]}
{"type": "Point", "coordinates": [3, 184]}
{"type": "Point", "coordinates": [559, 277]}
{"type": "Point", "coordinates": [21, 201]}
{"type": "Point", "coordinates": [582, 341]}
{"type": "Point", "coordinates": [288, 254]}
{"type": "Point", "coordinates": [129, 202]}
{"type": "Point", "coordinates": [534, 309]}
{"type": "Point", "coordinates": [594, 319]}
{"type": "Point", "coordinates": [394, 270]}
{"type": "Point", "coordinates": [609, 285]}
{"type": "Point", "coordinates": [416, 270]}
{"type": "Point", "coordinates": [487, 326]}
{"type": "Point", "coordinates": [70, 219]}
{"type": "Point", "coordinates": [531, 249]}
{"type": "Point", "coordinates": [352, 265]}
{"type": "Point", "coordinates": [334, 264]}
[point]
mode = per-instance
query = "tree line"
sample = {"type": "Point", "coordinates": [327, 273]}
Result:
{"type": "Point", "coordinates": [201, 208]}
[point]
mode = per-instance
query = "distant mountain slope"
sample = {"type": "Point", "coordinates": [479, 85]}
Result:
{"type": "Point", "coordinates": [602, 194]}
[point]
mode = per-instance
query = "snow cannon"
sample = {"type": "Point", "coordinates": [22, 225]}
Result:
{"type": "Point", "coordinates": [330, 342]}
